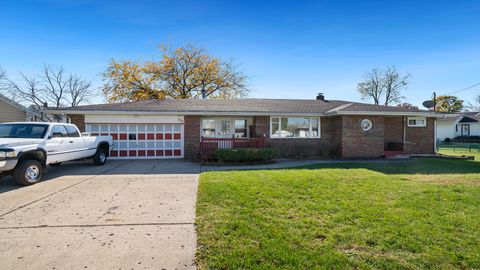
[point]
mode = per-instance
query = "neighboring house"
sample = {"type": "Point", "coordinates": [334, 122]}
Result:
{"type": "Point", "coordinates": [453, 125]}
{"type": "Point", "coordinates": [11, 111]}
{"type": "Point", "coordinates": [297, 128]}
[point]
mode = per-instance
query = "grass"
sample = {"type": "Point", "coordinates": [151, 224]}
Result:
{"type": "Point", "coordinates": [421, 213]}
{"type": "Point", "coordinates": [453, 150]}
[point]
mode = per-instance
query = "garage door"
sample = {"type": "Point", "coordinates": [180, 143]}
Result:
{"type": "Point", "coordinates": [142, 140]}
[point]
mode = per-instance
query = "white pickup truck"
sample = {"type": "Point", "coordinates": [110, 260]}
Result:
{"type": "Point", "coordinates": [26, 148]}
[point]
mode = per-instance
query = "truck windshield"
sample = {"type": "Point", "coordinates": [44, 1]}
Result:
{"type": "Point", "coordinates": [28, 131]}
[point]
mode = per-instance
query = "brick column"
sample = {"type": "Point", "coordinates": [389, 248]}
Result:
{"type": "Point", "coordinates": [192, 137]}
{"type": "Point", "coordinates": [78, 120]}
{"type": "Point", "coordinates": [262, 126]}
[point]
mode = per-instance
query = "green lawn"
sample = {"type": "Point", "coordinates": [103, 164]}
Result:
{"type": "Point", "coordinates": [422, 213]}
{"type": "Point", "coordinates": [460, 151]}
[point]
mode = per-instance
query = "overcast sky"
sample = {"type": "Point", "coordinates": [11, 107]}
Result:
{"type": "Point", "coordinates": [289, 49]}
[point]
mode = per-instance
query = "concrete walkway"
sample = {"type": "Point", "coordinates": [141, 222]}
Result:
{"type": "Point", "coordinates": [280, 164]}
{"type": "Point", "coordinates": [290, 163]}
{"type": "Point", "coordinates": [124, 215]}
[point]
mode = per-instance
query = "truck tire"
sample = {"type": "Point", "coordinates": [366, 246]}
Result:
{"type": "Point", "coordinates": [28, 172]}
{"type": "Point", "coordinates": [100, 157]}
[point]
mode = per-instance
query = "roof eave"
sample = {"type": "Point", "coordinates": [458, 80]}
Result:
{"type": "Point", "coordinates": [107, 112]}
{"type": "Point", "coordinates": [332, 113]}
{"type": "Point", "coordinates": [383, 113]}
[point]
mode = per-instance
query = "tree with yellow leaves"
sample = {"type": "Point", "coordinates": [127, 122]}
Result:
{"type": "Point", "coordinates": [182, 73]}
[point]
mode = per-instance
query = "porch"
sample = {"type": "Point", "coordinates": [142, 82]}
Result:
{"type": "Point", "coordinates": [393, 149]}
{"type": "Point", "coordinates": [209, 145]}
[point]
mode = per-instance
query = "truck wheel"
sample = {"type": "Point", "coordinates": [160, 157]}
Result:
{"type": "Point", "coordinates": [28, 172]}
{"type": "Point", "coordinates": [100, 157]}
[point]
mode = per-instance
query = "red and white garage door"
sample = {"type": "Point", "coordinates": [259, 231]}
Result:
{"type": "Point", "coordinates": [142, 140]}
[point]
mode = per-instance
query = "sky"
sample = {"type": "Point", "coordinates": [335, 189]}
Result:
{"type": "Point", "coordinates": [288, 49]}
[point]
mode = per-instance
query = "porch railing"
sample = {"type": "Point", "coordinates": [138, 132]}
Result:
{"type": "Point", "coordinates": [209, 145]}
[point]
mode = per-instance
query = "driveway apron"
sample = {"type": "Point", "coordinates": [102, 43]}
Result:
{"type": "Point", "coordinates": [124, 215]}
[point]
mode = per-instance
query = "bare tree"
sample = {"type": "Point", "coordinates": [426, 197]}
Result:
{"type": "Point", "coordinates": [371, 87]}
{"type": "Point", "coordinates": [475, 105]}
{"type": "Point", "coordinates": [386, 84]}
{"type": "Point", "coordinates": [3, 80]}
{"type": "Point", "coordinates": [3, 74]}
{"type": "Point", "coordinates": [52, 87]}
{"type": "Point", "coordinates": [79, 90]}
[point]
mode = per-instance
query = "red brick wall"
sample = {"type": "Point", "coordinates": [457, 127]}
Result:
{"type": "Point", "coordinates": [357, 143]}
{"type": "Point", "coordinates": [336, 129]}
{"type": "Point", "coordinates": [262, 126]}
{"type": "Point", "coordinates": [78, 120]}
{"type": "Point", "coordinates": [420, 140]}
{"type": "Point", "coordinates": [393, 129]}
{"type": "Point", "coordinates": [192, 137]}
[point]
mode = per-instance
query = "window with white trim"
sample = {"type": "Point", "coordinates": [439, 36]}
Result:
{"type": "Point", "coordinates": [295, 127]}
{"type": "Point", "coordinates": [208, 127]}
{"type": "Point", "coordinates": [224, 127]}
{"type": "Point", "coordinates": [417, 121]}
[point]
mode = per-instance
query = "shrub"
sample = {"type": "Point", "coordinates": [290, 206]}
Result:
{"type": "Point", "coordinates": [467, 139]}
{"type": "Point", "coordinates": [245, 154]}
{"type": "Point", "coordinates": [448, 140]}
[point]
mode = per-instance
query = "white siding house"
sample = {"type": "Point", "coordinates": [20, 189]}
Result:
{"type": "Point", "coordinates": [465, 124]}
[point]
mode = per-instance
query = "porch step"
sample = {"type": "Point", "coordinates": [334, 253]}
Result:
{"type": "Point", "coordinates": [401, 156]}
{"type": "Point", "coordinates": [395, 154]}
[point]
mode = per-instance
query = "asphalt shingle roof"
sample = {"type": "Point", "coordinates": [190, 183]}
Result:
{"type": "Point", "coordinates": [242, 105]}
{"type": "Point", "coordinates": [465, 117]}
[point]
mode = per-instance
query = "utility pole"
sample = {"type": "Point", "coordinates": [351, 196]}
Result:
{"type": "Point", "coordinates": [434, 102]}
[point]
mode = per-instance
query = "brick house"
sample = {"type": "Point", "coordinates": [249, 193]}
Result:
{"type": "Point", "coordinates": [297, 128]}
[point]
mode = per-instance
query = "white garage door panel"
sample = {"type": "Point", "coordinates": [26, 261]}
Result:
{"type": "Point", "coordinates": [142, 140]}
{"type": "Point", "coordinates": [133, 118]}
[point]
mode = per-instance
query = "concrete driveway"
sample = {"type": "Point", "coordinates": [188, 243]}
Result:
{"type": "Point", "coordinates": [124, 215]}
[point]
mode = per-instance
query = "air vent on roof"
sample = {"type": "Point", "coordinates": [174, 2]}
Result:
{"type": "Point", "coordinates": [320, 96]}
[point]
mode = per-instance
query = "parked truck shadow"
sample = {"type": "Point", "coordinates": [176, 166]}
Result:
{"type": "Point", "coordinates": [121, 168]}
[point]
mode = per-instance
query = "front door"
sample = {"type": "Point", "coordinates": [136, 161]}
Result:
{"type": "Point", "coordinates": [465, 130]}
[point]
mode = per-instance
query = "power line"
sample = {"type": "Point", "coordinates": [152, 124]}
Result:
{"type": "Point", "coordinates": [457, 91]}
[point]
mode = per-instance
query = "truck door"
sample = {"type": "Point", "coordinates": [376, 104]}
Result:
{"type": "Point", "coordinates": [76, 144]}
{"type": "Point", "coordinates": [55, 146]}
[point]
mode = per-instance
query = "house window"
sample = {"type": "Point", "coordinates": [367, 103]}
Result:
{"type": "Point", "coordinates": [417, 121]}
{"type": "Point", "coordinates": [295, 127]}
{"type": "Point", "coordinates": [224, 128]}
{"type": "Point", "coordinates": [240, 128]}
{"type": "Point", "coordinates": [208, 128]}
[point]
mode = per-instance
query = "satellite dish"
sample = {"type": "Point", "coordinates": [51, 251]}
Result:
{"type": "Point", "coordinates": [428, 104]}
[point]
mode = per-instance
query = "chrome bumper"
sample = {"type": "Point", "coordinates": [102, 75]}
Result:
{"type": "Point", "coordinates": [7, 164]}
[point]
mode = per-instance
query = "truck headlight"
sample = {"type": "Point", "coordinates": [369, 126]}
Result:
{"type": "Point", "coordinates": [11, 154]}
{"type": "Point", "coordinates": [8, 154]}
